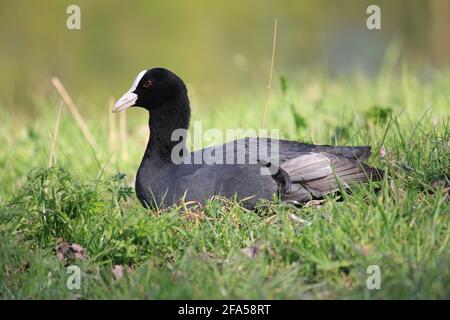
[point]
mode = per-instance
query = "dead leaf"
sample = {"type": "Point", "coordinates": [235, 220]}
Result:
{"type": "Point", "coordinates": [297, 219]}
{"type": "Point", "coordinates": [26, 265]}
{"type": "Point", "coordinates": [194, 216]}
{"type": "Point", "coordinates": [67, 251]}
{"type": "Point", "coordinates": [447, 191]}
{"type": "Point", "coordinates": [271, 219]}
{"type": "Point", "coordinates": [365, 249]}
{"type": "Point", "coordinates": [441, 184]}
{"type": "Point", "coordinates": [314, 203]}
{"type": "Point", "coordinates": [119, 271]}
{"type": "Point", "coordinates": [251, 251]}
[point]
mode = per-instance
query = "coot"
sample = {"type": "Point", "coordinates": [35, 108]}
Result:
{"type": "Point", "coordinates": [292, 171]}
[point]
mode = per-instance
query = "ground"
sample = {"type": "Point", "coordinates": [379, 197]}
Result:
{"type": "Point", "coordinates": [83, 210]}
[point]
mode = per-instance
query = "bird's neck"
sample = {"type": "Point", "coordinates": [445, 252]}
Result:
{"type": "Point", "coordinates": [168, 128]}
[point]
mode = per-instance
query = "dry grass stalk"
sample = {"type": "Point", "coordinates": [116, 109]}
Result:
{"type": "Point", "coordinates": [74, 110]}
{"type": "Point", "coordinates": [112, 130]}
{"type": "Point", "coordinates": [269, 85]}
{"type": "Point", "coordinates": [52, 159]}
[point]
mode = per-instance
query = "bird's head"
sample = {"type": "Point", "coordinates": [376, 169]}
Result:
{"type": "Point", "coordinates": [153, 89]}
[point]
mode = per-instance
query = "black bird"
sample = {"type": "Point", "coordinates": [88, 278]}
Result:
{"type": "Point", "coordinates": [293, 171]}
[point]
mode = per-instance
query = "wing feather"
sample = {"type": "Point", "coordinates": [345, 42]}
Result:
{"type": "Point", "coordinates": [313, 175]}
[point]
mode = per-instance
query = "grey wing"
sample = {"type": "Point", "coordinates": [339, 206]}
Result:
{"type": "Point", "coordinates": [312, 175]}
{"type": "Point", "coordinates": [303, 171]}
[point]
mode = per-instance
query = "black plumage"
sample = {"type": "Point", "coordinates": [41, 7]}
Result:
{"type": "Point", "coordinates": [302, 171]}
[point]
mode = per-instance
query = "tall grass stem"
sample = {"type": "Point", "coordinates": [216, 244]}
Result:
{"type": "Point", "coordinates": [74, 110]}
{"type": "Point", "coordinates": [52, 158]}
{"type": "Point", "coordinates": [269, 85]}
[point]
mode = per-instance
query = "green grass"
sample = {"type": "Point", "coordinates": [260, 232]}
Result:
{"type": "Point", "coordinates": [301, 253]}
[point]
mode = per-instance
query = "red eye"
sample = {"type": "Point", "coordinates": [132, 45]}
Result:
{"type": "Point", "coordinates": [148, 84]}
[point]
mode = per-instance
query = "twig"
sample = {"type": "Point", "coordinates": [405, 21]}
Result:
{"type": "Point", "coordinates": [123, 136]}
{"type": "Point", "coordinates": [269, 85]}
{"type": "Point", "coordinates": [112, 130]}
{"type": "Point", "coordinates": [74, 110]}
{"type": "Point", "coordinates": [52, 159]}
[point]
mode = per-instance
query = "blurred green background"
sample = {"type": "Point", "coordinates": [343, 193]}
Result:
{"type": "Point", "coordinates": [220, 48]}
